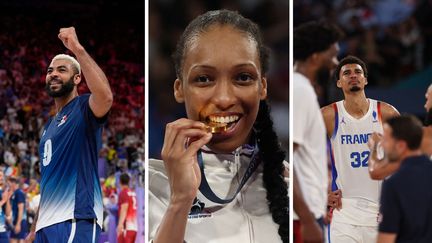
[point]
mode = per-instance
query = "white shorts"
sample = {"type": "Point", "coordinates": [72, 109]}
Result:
{"type": "Point", "coordinates": [348, 233]}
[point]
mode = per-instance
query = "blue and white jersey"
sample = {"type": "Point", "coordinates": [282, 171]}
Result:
{"type": "Point", "coordinates": [349, 155]}
{"type": "Point", "coordinates": [69, 150]}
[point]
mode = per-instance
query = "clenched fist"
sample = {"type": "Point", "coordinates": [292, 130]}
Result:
{"type": "Point", "coordinates": [69, 38]}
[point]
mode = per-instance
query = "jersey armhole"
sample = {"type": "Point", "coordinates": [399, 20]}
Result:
{"type": "Point", "coordinates": [379, 112]}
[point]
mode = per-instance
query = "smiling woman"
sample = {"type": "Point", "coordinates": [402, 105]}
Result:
{"type": "Point", "coordinates": [222, 185]}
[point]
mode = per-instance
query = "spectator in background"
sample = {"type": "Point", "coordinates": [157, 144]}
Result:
{"type": "Point", "coordinates": [19, 212]}
{"type": "Point", "coordinates": [5, 208]}
{"type": "Point", "coordinates": [127, 210]}
{"type": "Point", "coordinates": [390, 36]}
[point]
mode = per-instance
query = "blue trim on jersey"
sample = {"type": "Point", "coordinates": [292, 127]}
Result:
{"type": "Point", "coordinates": [334, 171]}
{"type": "Point", "coordinates": [328, 233]}
{"type": "Point", "coordinates": [336, 124]}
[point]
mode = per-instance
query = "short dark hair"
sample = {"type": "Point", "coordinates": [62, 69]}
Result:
{"type": "Point", "coordinates": [124, 179]}
{"type": "Point", "coordinates": [314, 36]}
{"type": "Point", "coordinates": [350, 60]}
{"type": "Point", "coordinates": [407, 128]}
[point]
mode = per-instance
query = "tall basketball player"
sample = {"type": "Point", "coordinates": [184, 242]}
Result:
{"type": "Point", "coordinates": [350, 123]}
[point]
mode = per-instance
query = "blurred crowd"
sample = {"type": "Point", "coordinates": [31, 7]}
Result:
{"type": "Point", "coordinates": [393, 37]}
{"type": "Point", "coordinates": [28, 42]}
{"type": "Point", "coordinates": [168, 19]}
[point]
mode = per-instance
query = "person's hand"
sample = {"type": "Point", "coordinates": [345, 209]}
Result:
{"type": "Point", "coordinates": [334, 199]}
{"type": "Point", "coordinates": [30, 237]}
{"type": "Point", "coordinates": [311, 232]}
{"type": "Point", "coordinates": [329, 215]}
{"type": "Point", "coordinates": [183, 138]}
{"type": "Point", "coordinates": [17, 228]}
{"type": "Point", "coordinates": [374, 139]}
{"type": "Point", "coordinates": [120, 229]}
{"type": "Point", "coordinates": [69, 38]}
{"type": "Point", "coordinates": [374, 144]}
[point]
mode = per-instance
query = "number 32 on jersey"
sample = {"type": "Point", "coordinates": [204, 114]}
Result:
{"type": "Point", "coordinates": [359, 159]}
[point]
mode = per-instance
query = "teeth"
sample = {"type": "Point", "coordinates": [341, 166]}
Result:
{"type": "Point", "coordinates": [223, 119]}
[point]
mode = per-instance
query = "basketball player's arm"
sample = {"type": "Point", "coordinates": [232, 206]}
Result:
{"type": "Point", "coordinates": [388, 111]}
{"type": "Point", "coordinates": [426, 144]}
{"type": "Point", "coordinates": [329, 118]}
{"type": "Point", "coordinates": [101, 97]}
{"type": "Point", "coordinates": [311, 231]}
{"type": "Point", "coordinates": [381, 168]}
{"type": "Point", "coordinates": [122, 217]}
{"type": "Point", "coordinates": [334, 198]}
{"type": "Point", "coordinates": [386, 237]}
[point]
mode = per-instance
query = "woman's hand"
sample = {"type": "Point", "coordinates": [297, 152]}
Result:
{"type": "Point", "coordinates": [183, 138]}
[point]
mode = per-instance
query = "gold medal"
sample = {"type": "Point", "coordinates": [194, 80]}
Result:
{"type": "Point", "coordinates": [215, 127]}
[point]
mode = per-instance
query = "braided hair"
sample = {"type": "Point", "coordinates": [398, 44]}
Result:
{"type": "Point", "coordinates": [270, 151]}
{"type": "Point", "coordinates": [273, 157]}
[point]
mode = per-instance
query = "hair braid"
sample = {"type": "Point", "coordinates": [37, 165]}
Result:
{"type": "Point", "coordinates": [273, 156]}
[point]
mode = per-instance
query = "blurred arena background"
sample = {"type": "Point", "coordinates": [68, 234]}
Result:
{"type": "Point", "coordinates": [393, 37]}
{"type": "Point", "coordinates": [113, 34]}
{"type": "Point", "coordinates": [168, 19]}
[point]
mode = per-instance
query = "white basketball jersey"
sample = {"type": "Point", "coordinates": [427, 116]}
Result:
{"type": "Point", "coordinates": [349, 155]}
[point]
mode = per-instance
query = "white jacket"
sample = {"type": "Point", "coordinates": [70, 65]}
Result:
{"type": "Point", "coordinates": [245, 219]}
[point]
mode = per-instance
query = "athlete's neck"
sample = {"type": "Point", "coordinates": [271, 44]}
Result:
{"type": "Point", "coordinates": [356, 104]}
{"type": "Point", "coordinates": [60, 102]}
